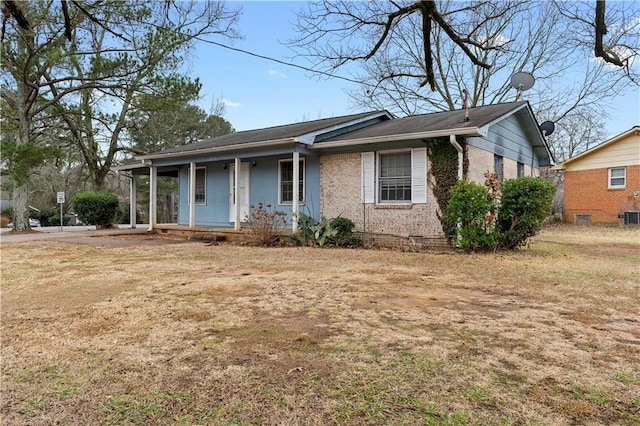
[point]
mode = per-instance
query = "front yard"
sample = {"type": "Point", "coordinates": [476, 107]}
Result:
{"type": "Point", "coordinates": [195, 333]}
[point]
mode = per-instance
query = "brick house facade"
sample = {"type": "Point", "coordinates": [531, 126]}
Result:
{"type": "Point", "coordinates": [603, 182]}
{"type": "Point", "coordinates": [369, 167]}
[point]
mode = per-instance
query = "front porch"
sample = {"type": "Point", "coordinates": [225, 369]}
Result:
{"type": "Point", "coordinates": [204, 233]}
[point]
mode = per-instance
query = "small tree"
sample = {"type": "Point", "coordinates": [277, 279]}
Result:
{"type": "Point", "coordinates": [96, 208]}
{"type": "Point", "coordinates": [526, 203]}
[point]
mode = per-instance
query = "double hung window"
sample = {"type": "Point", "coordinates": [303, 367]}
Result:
{"type": "Point", "coordinates": [395, 177]}
{"type": "Point", "coordinates": [201, 185]}
{"type": "Point", "coordinates": [617, 177]}
{"type": "Point", "coordinates": [286, 181]}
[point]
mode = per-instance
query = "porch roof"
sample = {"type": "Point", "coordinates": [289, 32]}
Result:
{"type": "Point", "coordinates": [307, 132]}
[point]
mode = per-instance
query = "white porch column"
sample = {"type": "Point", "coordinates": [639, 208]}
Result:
{"type": "Point", "coordinates": [192, 194]}
{"type": "Point", "coordinates": [133, 205]}
{"type": "Point", "coordinates": [236, 194]}
{"type": "Point", "coordinates": [153, 198]}
{"type": "Point", "coordinates": [296, 186]}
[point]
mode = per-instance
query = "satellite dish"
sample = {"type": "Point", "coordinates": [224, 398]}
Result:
{"type": "Point", "coordinates": [522, 81]}
{"type": "Point", "coordinates": [547, 128]}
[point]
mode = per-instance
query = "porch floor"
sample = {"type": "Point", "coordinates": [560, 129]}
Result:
{"type": "Point", "coordinates": [206, 233]}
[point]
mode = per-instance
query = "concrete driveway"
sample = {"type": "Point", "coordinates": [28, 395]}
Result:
{"type": "Point", "coordinates": [80, 234]}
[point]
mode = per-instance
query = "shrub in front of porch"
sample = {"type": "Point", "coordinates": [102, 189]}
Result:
{"type": "Point", "coordinates": [264, 224]}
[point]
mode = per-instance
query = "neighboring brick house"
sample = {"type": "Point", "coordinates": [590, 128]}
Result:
{"type": "Point", "coordinates": [603, 183]}
{"type": "Point", "coordinates": [371, 167]}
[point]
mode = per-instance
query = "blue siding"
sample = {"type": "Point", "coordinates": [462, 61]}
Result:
{"type": "Point", "coordinates": [507, 138]}
{"type": "Point", "coordinates": [263, 186]}
{"type": "Point", "coordinates": [216, 210]}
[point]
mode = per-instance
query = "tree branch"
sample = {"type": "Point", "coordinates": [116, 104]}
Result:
{"type": "Point", "coordinates": [601, 30]}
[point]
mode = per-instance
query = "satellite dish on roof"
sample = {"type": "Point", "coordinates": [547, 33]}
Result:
{"type": "Point", "coordinates": [547, 128]}
{"type": "Point", "coordinates": [522, 81]}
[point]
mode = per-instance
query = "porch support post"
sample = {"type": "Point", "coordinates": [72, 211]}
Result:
{"type": "Point", "coordinates": [296, 186]}
{"type": "Point", "coordinates": [236, 194]}
{"type": "Point", "coordinates": [192, 194]}
{"type": "Point", "coordinates": [153, 196]}
{"type": "Point", "coordinates": [133, 205]}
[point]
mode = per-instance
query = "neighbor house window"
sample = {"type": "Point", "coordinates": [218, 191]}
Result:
{"type": "Point", "coordinates": [286, 181]}
{"type": "Point", "coordinates": [201, 185]}
{"type": "Point", "coordinates": [520, 169]}
{"type": "Point", "coordinates": [498, 166]}
{"type": "Point", "coordinates": [617, 177]}
{"type": "Point", "coordinates": [394, 177]}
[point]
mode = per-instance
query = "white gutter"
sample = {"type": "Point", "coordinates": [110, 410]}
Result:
{"type": "Point", "coordinates": [456, 145]}
{"type": "Point", "coordinates": [466, 131]}
{"type": "Point", "coordinates": [214, 149]}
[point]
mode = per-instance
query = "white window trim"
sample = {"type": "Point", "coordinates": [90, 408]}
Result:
{"type": "Point", "coordinates": [302, 176]}
{"type": "Point", "coordinates": [623, 186]}
{"type": "Point", "coordinates": [370, 178]}
{"type": "Point", "coordinates": [202, 203]}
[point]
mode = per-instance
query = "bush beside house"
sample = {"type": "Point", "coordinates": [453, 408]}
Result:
{"type": "Point", "coordinates": [497, 216]}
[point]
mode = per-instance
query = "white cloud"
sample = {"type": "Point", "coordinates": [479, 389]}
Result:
{"type": "Point", "coordinates": [226, 102]}
{"type": "Point", "coordinates": [275, 73]}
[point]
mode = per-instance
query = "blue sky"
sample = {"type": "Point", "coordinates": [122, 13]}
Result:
{"type": "Point", "coordinates": [260, 93]}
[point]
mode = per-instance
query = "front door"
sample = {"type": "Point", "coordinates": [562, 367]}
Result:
{"type": "Point", "coordinates": [243, 193]}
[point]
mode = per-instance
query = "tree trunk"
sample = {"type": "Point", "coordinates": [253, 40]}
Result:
{"type": "Point", "coordinates": [20, 199]}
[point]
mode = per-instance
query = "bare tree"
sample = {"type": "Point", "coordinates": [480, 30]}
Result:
{"type": "Point", "coordinates": [387, 41]}
{"type": "Point", "coordinates": [581, 130]}
{"type": "Point", "coordinates": [117, 51]}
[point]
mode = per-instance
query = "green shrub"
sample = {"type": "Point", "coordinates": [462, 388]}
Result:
{"type": "Point", "coordinates": [337, 231]}
{"type": "Point", "coordinates": [96, 208]}
{"type": "Point", "coordinates": [264, 224]}
{"type": "Point", "coordinates": [525, 204]}
{"type": "Point", "coordinates": [8, 212]}
{"type": "Point", "coordinates": [470, 208]}
{"type": "Point", "coordinates": [54, 220]}
{"type": "Point", "coordinates": [343, 228]}
{"type": "Point", "coordinates": [490, 216]}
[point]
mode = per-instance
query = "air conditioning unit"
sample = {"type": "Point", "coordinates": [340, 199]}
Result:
{"type": "Point", "coordinates": [631, 217]}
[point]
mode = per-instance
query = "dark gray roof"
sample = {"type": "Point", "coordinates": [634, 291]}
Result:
{"type": "Point", "coordinates": [446, 120]}
{"type": "Point", "coordinates": [288, 131]}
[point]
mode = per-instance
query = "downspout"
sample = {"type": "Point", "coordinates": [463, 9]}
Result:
{"type": "Point", "coordinates": [456, 145]}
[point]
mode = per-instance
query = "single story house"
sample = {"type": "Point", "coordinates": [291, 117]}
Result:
{"type": "Point", "coordinates": [602, 184]}
{"type": "Point", "coordinates": [369, 167]}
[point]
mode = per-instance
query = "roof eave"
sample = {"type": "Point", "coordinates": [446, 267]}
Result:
{"type": "Point", "coordinates": [464, 131]}
{"type": "Point", "coordinates": [218, 149]}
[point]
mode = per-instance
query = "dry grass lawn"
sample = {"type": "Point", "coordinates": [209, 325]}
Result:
{"type": "Point", "coordinates": [193, 333]}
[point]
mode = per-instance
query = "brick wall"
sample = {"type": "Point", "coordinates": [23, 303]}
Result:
{"type": "Point", "coordinates": [586, 192]}
{"type": "Point", "coordinates": [340, 195]}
